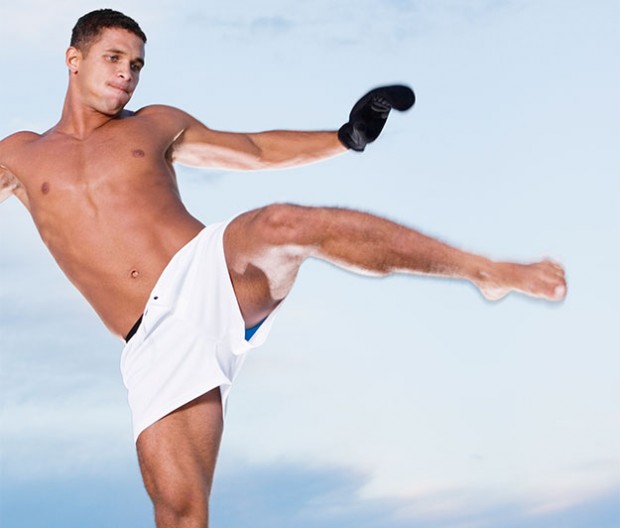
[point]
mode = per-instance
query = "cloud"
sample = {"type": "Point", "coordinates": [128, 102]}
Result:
{"type": "Point", "coordinates": [31, 22]}
{"type": "Point", "coordinates": [273, 24]}
{"type": "Point", "coordinates": [95, 501]}
{"type": "Point", "coordinates": [275, 496]}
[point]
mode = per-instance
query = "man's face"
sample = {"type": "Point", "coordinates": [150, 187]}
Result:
{"type": "Point", "coordinates": [107, 73]}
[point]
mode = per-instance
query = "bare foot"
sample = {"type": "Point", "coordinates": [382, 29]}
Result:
{"type": "Point", "coordinates": [544, 279]}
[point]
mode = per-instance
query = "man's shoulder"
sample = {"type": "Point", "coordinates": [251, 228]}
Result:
{"type": "Point", "coordinates": [168, 119]}
{"type": "Point", "coordinates": [12, 145]}
{"type": "Point", "coordinates": [172, 120]}
{"type": "Point", "coordinates": [17, 138]}
{"type": "Point", "coordinates": [162, 111]}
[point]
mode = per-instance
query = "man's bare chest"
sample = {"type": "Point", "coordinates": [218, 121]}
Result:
{"type": "Point", "coordinates": [60, 164]}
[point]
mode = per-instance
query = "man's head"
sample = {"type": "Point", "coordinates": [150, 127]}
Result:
{"type": "Point", "coordinates": [105, 59]}
{"type": "Point", "coordinates": [89, 27]}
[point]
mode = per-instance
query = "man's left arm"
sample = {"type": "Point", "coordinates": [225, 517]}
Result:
{"type": "Point", "coordinates": [199, 146]}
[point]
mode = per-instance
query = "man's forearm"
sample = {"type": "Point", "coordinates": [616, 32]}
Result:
{"type": "Point", "coordinates": [286, 148]}
{"type": "Point", "coordinates": [281, 148]}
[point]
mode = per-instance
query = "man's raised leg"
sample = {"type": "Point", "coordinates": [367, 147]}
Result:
{"type": "Point", "coordinates": [265, 248]}
{"type": "Point", "coordinates": [177, 458]}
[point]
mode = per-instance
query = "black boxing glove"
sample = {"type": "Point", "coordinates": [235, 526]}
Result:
{"type": "Point", "coordinates": [368, 116]}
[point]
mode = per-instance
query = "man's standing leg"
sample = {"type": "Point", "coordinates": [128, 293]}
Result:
{"type": "Point", "coordinates": [177, 458]}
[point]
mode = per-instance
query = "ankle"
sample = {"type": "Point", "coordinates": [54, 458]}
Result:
{"type": "Point", "coordinates": [487, 275]}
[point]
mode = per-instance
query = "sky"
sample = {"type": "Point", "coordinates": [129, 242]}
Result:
{"type": "Point", "coordinates": [392, 403]}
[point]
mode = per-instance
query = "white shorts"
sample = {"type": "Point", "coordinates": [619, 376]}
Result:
{"type": "Point", "coordinates": [192, 335]}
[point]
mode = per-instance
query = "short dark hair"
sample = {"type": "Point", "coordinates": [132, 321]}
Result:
{"type": "Point", "coordinates": [89, 26]}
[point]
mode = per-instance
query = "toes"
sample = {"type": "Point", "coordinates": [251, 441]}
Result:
{"type": "Point", "coordinates": [559, 292]}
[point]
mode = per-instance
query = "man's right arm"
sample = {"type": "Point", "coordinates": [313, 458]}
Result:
{"type": "Point", "coordinates": [8, 183]}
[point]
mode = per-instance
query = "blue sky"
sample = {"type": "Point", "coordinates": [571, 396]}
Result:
{"type": "Point", "coordinates": [396, 402]}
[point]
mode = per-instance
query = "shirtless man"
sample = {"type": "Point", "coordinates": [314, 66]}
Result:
{"type": "Point", "coordinates": [102, 191]}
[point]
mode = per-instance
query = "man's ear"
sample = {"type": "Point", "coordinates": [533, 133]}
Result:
{"type": "Point", "coordinates": [72, 59]}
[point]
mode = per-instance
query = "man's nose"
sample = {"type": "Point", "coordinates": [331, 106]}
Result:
{"type": "Point", "coordinates": [124, 71]}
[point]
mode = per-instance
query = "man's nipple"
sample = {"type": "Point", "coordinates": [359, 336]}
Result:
{"type": "Point", "coordinates": [45, 188]}
{"type": "Point", "coordinates": [137, 153]}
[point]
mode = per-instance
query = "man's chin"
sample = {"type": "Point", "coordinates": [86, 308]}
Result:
{"type": "Point", "coordinates": [117, 112]}
{"type": "Point", "coordinates": [114, 109]}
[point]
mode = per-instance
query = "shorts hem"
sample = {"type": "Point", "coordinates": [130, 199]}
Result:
{"type": "Point", "coordinates": [177, 403]}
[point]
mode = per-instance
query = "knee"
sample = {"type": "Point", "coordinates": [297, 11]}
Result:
{"type": "Point", "coordinates": [179, 506]}
{"type": "Point", "coordinates": [283, 224]}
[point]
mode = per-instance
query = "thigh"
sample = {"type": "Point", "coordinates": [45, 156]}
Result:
{"type": "Point", "coordinates": [263, 258]}
{"type": "Point", "coordinates": [178, 453]}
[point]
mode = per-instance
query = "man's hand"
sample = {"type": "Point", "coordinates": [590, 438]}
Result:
{"type": "Point", "coordinates": [368, 117]}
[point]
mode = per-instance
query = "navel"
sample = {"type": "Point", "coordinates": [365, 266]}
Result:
{"type": "Point", "coordinates": [137, 153]}
{"type": "Point", "coordinates": [45, 188]}
{"type": "Point", "coordinates": [134, 273]}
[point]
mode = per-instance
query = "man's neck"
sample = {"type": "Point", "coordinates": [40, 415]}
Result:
{"type": "Point", "coordinates": [80, 121]}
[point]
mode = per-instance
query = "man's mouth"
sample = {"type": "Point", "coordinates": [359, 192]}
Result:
{"type": "Point", "coordinates": [119, 88]}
